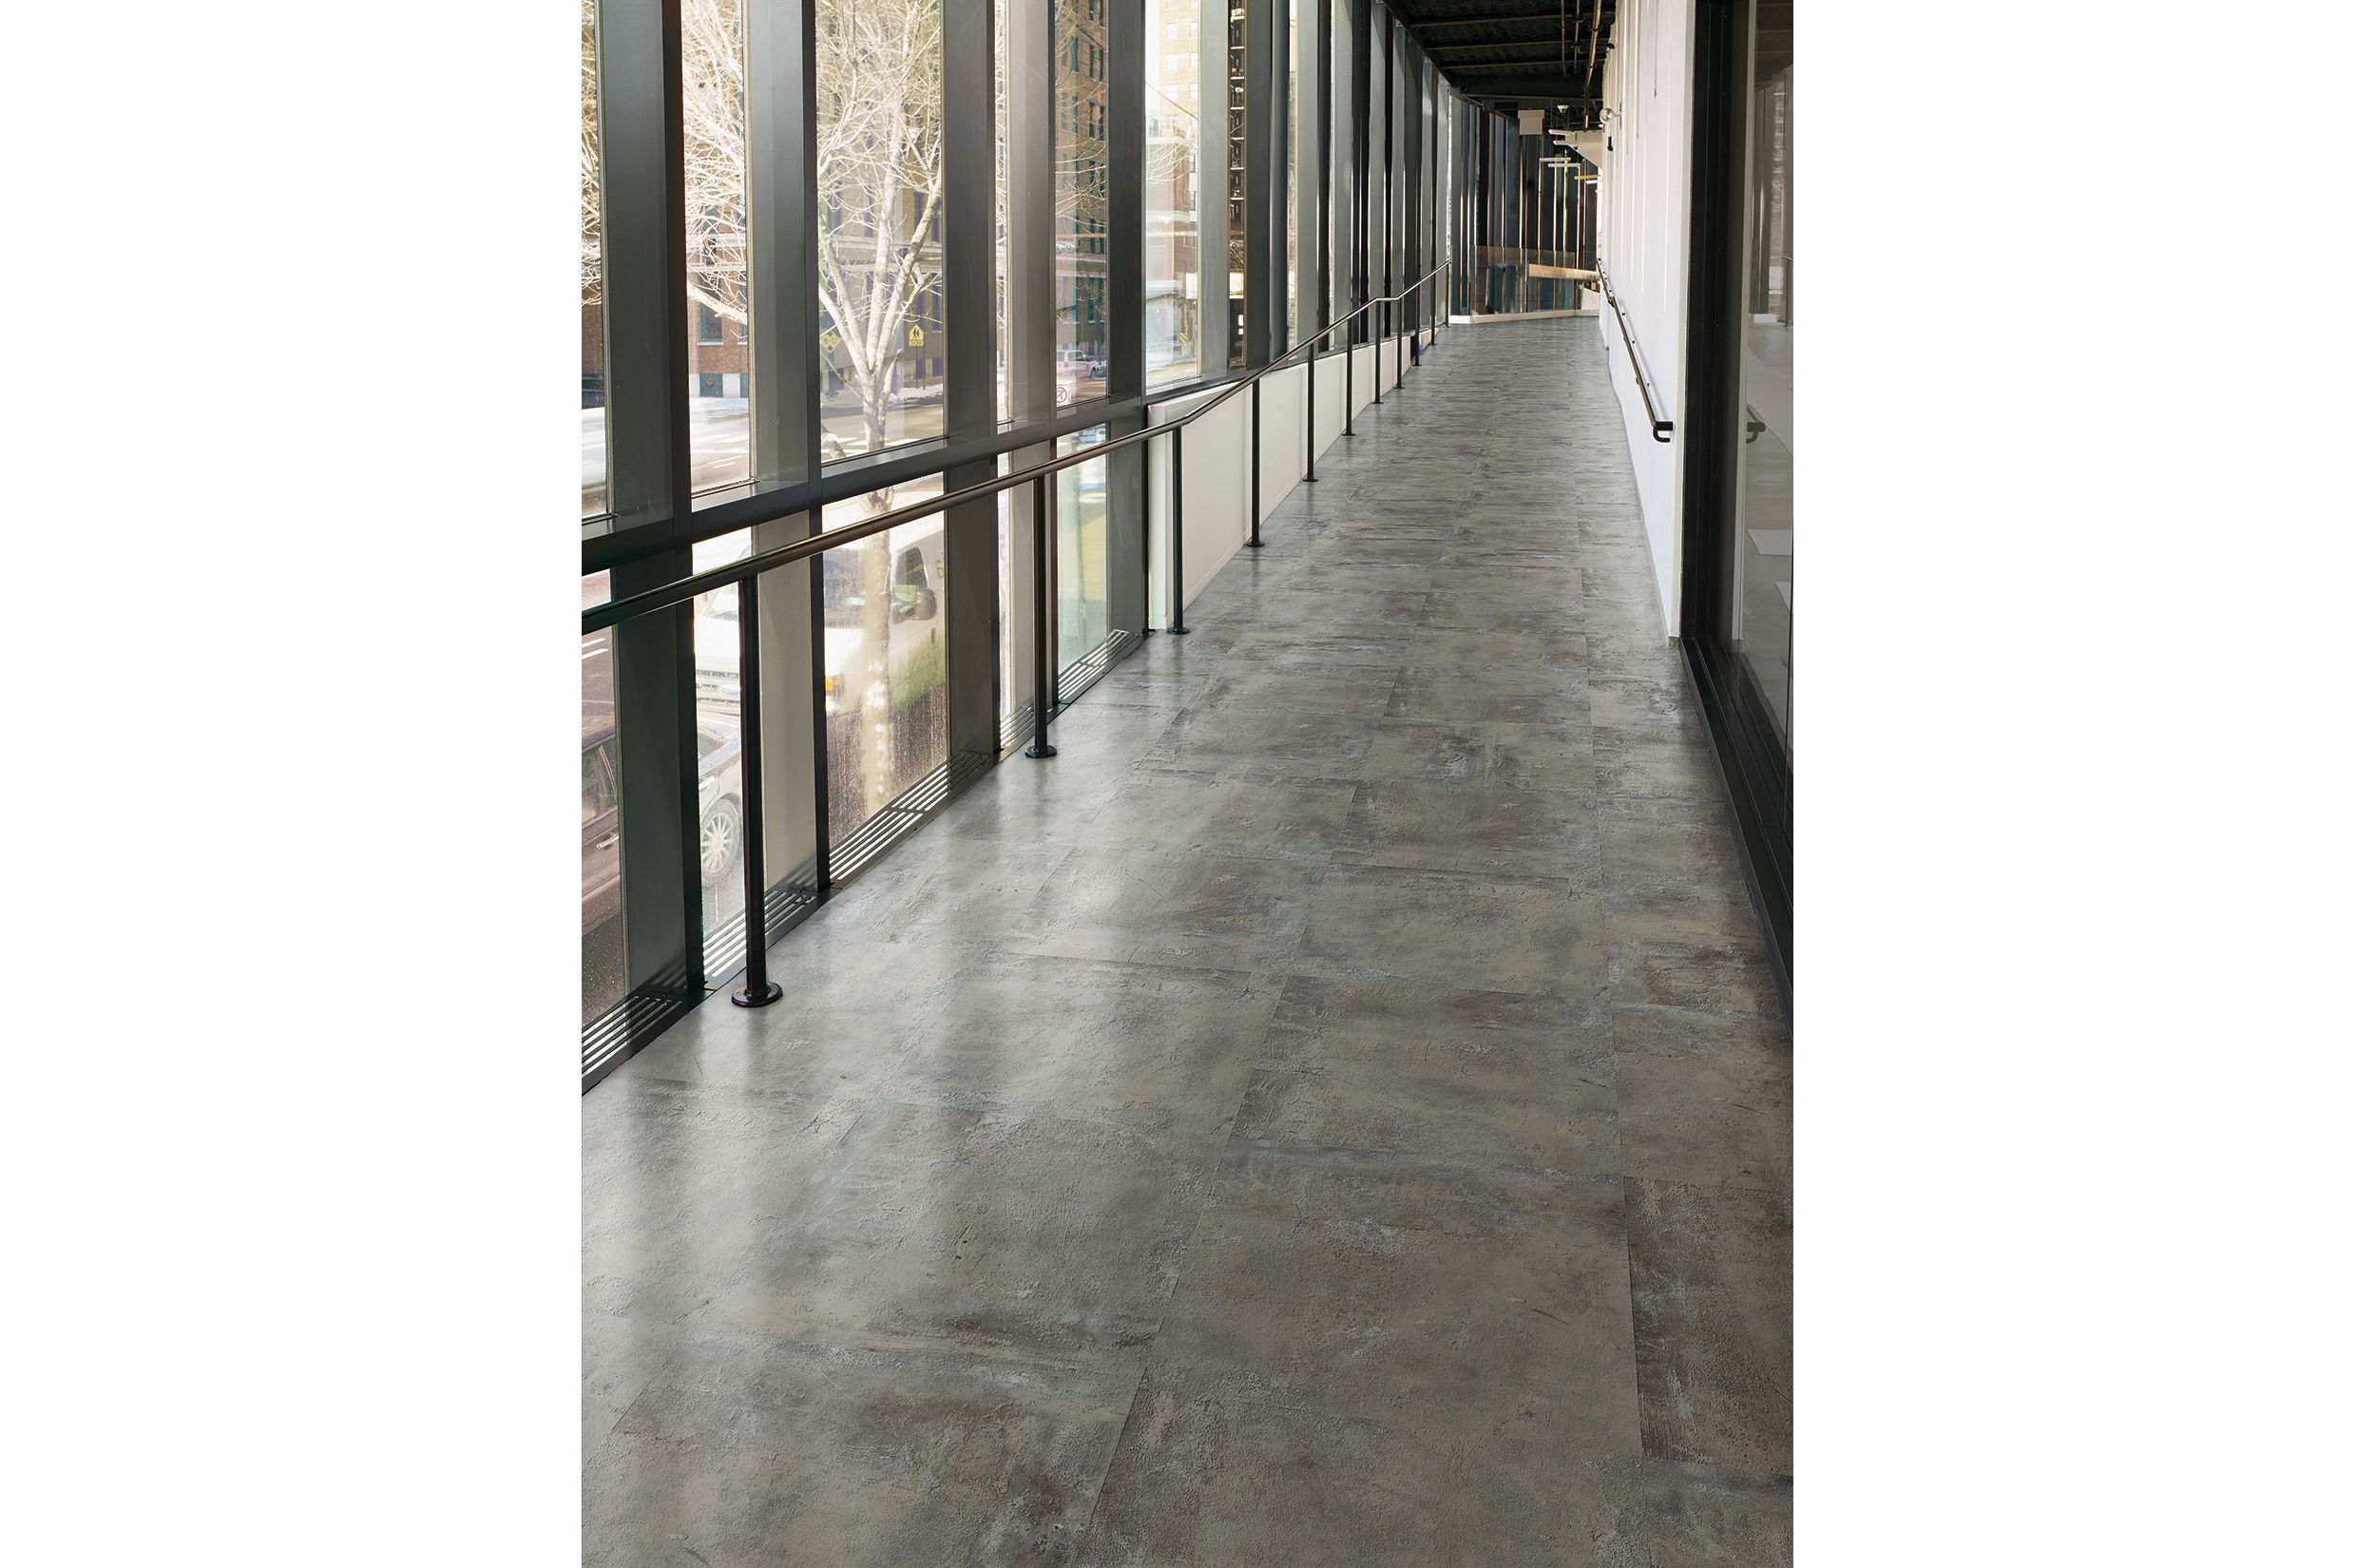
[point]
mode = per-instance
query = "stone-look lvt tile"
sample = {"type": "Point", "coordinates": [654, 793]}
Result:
{"type": "Point", "coordinates": [1698, 1516]}
{"type": "Point", "coordinates": [1141, 908]}
{"type": "Point", "coordinates": [1504, 829]}
{"type": "Point", "coordinates": [1201, 1480]}
{"type": "Point", "coordinates": [1255, 745]}
{"type": "Point", "coordinates": [1715, 1378]}
{"type": "Point", "coordinates": [1509, 694]}
{"type": "Point", "coordinates": [994, 1232]}
{"type": "Point", "coordinates": [1467, 1078]}
{"type": "Point", "coordinates": [679, 1181]}
{"type": "Point", "coordinates": [1544, 756]}
{"type": "Point", "coordinates": [1469, 1302]}
{"type": "Point", "coordinates": [1184, 815]}
{"type": "Point", "coordinates": [1704, 1097]}
{"type": "Point", "coordinates": [1163, 1050]}
{"type": "Point", "coordinates": [1698, 1238]}
{"type": "Point", "coordinates": [1526, 934]}
{"type": "Point", "coordinates": [752, 1453]}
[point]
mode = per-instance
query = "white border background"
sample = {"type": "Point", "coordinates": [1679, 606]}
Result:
{"type": "Point", "coordinates": [2082, 854]}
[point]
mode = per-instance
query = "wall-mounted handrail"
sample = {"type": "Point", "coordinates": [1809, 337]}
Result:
{"type": "Point", "coordinates": [1662, 428]}
{"type": "Point", "coordinates": [688, 588]}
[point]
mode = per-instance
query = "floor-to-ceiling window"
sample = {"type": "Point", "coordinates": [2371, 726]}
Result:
{"type": "Point", "coordinates": [1241, 173]}
{"type": "Point", "coordinates": [718, 241]}
{"type": "Point", "coordinates": [1082, 173]}
{"type": "Point", "coordinates": [882, 341]}
{"type": "Point", "coordinates": [1740, 528]}
{"type": "Point", "coordinates": [1763, 518]}
{"type": "Point", "coordinates": [1344, 153]}
{"type": "Point", "coordinates": [1173, 91]}
{"type": "Point", "coordinates": [594, 466]}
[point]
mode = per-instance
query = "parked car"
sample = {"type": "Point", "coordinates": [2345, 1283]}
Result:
{"type": "Point", "coordinates": [918, 585]}
{"type": "Point", "coordinates": [718, 739]}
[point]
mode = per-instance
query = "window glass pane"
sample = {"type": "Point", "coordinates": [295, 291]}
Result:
{"type": "Point", "coordinates": [1081, 512]}
{"type": "Point", "coordinates": [1172, 333]}
{"type": "Point", "coordinates": [1342, 146]}
{"type": "Point", "coordinates": [1001, 296]}
{"type": "Point", "coordinates": [882, 343]}
{"type": "Point", "coordinates": [1080, 185]}
{"type": "Point", "coordinates": [1237, 182]}
{"type": "Point", "coordinates": [886, 660]}
{"type": "Point", "coordinates": [716, 240]}
{"type": "Point", "coordinates": [603, 902]}
{"type": "Point", "coordinates": [717, 750]}
{"type": "Point", "coordinates": [1764, 534]}
{"type": "Point", "coordinates": [1295, 264]}
{"type": "Point", "coordinates": [594, 476]}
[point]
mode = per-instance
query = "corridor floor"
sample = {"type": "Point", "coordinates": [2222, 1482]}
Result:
{"type": "Point", "coordinates": [1333, 1112]}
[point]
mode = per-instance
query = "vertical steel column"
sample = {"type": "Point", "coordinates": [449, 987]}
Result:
{"type": "Point", "coordinates": [757, 990]}
{"type": "Point", "coordinates": [1043, 569]}
{"type": "Point", "coordinates": [1254, 488]}
{"type": "Point", "coordinates": [1180, 586]}
{"type": "Point", "coordinates": [1311, 397]}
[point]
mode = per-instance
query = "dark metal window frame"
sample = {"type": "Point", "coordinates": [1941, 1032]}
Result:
{"type": "Point", "coordinates": [656, 517]}
{"type": "Point", "coordinates": [1751, 753]}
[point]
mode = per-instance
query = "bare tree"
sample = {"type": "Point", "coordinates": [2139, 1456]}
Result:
{"type": "Point", "coordinates": [716, 161]}
{"type": "Point", "coordinates": [878, 179]}
{"type": "Point", "coordinates": [878, 182]}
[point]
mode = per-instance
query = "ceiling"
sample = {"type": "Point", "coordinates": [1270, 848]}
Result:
{"type": "Point", "coordinates": [1519, 53]}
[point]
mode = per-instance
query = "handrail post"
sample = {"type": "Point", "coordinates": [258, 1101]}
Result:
{"type": "Point", "coordinates": [1377, 352]}
{"type": "Point", "coordinates": [1349, 379]}
{"type": "Point", "coordinates": [1255, 488]}
{"type": "Point", "coordinates": [1179, 588]}
{"type": "Point", "coordinates": [757, 990]}
{"type": "Point", "coordinates": [1311, 398]}
{"type": "Point", "coordinates": [1042, 571]}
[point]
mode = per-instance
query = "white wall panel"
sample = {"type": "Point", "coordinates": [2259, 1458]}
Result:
{"type": "Point", "coordinates": [1646, 210]}
{"type": "Point", "coordinates": [1283, 435]}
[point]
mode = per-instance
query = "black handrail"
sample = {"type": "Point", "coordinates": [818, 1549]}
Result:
{"type": "Point", "coordinates": [1661, 429]}
{"type": "Point", "coordinates": [687, 588]}
{"type": "Point", "coordinates": [757, 990]}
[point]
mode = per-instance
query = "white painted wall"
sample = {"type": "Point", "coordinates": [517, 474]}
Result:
{"type": "Point", "coordinates": [1645, 186]}
{"type": "Point", "coordinates": [1217, 454]}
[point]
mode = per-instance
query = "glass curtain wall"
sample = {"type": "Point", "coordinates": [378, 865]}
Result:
{"type": "Point", "coordinates": [861, 651]}
{"type": "Point", "coordinates": [1347, 26]}
{"type": "Point", "coordinates": [603, 770]}
{"type": "Point", "coordinates": [718, 241]}
{"type": "Point", "coordinates": [1082, 170]}
{"type": "Point", "coordinates": [1174, 91]}
{"type": "Point", "coordinates": [1763, 518]}
{"type": "Point", "coordinates": [594, 461]}
{"type": "Point", "coordinates": [886, 676]}
{"type": "Point", "coordinates": [882, 337]}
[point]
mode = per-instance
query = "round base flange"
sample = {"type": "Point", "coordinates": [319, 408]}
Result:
{"type": "Point", "coordinates": [1035, 749]}
{"type": "Point", "coordinates": [1177, 631]}
{"type": "Point", "coordinates": [745, 998]}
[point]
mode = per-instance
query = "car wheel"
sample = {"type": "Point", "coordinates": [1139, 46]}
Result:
{"type": "Point", "coordinates": [722, 840]}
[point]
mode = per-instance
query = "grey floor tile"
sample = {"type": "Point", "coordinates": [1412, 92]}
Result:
{"type": "Point", "coordinates": [1484, 933]}
{"type": "Point", "coordinates": [983, 1231]}
{"type": "Point", "coordinates": [1201, 1480]}
{"type": "Point", "coordinates": [1703, 1097]}
{"type": "Point", "coordinates": [1334, 1111]}
{"type": "Point", "coordinates": [1474, 1078]}
{"type": "Point", "coordinates": [1511, 830]}
{"type": "Point", "coordinates": [1463, 1301]}
{"type": "Point", "coordinates": [1698, 1516]}
{"type": "Point", "coordinates": [681, 1181]}
{"type": "Point", "coordinates": [1163, 1050]}
{"type": "Point", "coordinates": [748, 1452]}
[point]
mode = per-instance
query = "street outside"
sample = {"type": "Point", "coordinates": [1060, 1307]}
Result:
{"type": "Point", "coordinates": [721, 440]}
